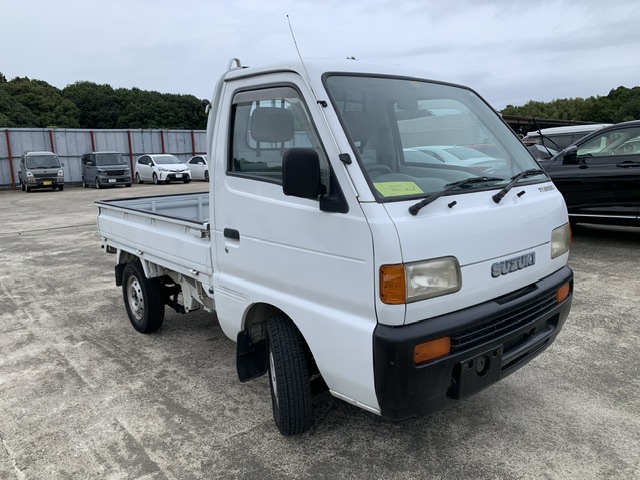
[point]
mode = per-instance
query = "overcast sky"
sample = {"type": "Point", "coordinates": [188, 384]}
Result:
{"type": "Point", "coordinates": [510, 51]}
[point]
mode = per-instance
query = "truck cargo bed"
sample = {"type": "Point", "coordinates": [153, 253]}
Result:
{"type": "Point", "coordinates": [171, 230]}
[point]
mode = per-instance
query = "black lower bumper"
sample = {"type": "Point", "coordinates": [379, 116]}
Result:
{"type": "Point", "coordinates": [488, 342]}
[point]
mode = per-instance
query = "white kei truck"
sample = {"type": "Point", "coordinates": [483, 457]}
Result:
{"type": "Point", "coordinates": [340, 255]}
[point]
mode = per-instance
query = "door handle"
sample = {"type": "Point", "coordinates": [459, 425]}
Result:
{"type": "Point", "coordinates": [628, 164]}
{"type": "Point", "coordinates": [231, 233]}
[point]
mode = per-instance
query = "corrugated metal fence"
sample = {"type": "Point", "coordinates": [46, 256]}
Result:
{"type": "Point", "coordinates": [70, 144]}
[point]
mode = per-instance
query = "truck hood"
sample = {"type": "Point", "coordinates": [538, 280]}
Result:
{"type": "Point", "coordinates": [480, 233]}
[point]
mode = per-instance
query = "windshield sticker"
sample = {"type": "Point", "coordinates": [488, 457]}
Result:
{"type": "Point", "coordinates": [396, 189]}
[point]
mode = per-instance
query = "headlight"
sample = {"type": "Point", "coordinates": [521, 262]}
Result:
{"type": "Point", "coordinates": [29, 175]}
{"type": "Point", "coordinates": [102, 170]}
{"type": "Point", "coordinates": [432, 278]}
{"type": "Point", "coordinates": [162, 169]}
{"type": "Point", "coordinates": [419, 280]}
{"type": "Point", "coordinates": [60, 173]}
{"type": "Point", "coordinates": [560, 240]}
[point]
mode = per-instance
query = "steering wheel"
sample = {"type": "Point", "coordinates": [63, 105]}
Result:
{"type": "Point", "coordinates": [381, 169]}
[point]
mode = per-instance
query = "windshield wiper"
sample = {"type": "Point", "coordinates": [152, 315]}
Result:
{"type": "Point", "coordinates": [414, 209]}
{"type": "Point", "coordinates": [527, 173]}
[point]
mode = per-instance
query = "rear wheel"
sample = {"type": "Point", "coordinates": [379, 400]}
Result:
{"type": "Point", "coordinates": [138, 178]}
{"type": "Point", "coordinates": [288, 376]}
{"type": "Point", "coordinates": [142, 299]}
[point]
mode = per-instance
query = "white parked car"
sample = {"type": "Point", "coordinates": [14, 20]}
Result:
{"type": "Point", "coordinates": [161, 168]}
{"type": "Point", "coordinates": [199, 167]}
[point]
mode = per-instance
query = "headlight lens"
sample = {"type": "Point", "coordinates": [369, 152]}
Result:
{"type": "Point", "coordinates": [162, 169]}
{"type": "Point", "coordinates": [60, 173]}
{"type": "Point", "coordinates": [432, 278]}
{"type": "Point", "coordinates": [560, 240]}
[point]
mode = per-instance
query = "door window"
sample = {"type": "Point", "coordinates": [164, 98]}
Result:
{"type": "Point", "coordinates": [265, 124]}
{"type": "Point", "coordinates": [614, 142]}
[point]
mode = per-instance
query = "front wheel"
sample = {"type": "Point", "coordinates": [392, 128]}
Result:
{"type": "Point", "coordinates": [288, 376]}
{"type": "Point", "coordinates": [61, 187]}
{"type": "Point", "coordinates": [142, 299]}
{"type": "Point", "coordinates": [186, 180]}
{"type": "Point", "coordinates": [97, 183]}
{"type": "Point", "coordinates": [155, 179]}
{"type": "Point", "coordinates": [84, 183]}
{"type": "Point", "coordinates": [138, 180]}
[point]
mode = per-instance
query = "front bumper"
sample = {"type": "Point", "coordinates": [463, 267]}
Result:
{"type": "Point", "coordinates": [44, 182]}
{"type": "Point", "coordinates": [174, 176]}
{"type": "Point", "coordinates": [107, 180]}
{"type": "Point", "coordinates": [488, 342]}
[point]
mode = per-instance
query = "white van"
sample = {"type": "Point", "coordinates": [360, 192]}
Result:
{"type": "Point", "coordinates": [561, 137]}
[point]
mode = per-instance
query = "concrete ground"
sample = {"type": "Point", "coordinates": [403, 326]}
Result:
{"type": "Point", "coordinates": [82, 395]}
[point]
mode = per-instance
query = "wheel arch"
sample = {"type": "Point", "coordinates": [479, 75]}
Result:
{"type": "Point", "coordinates": [251, 348]}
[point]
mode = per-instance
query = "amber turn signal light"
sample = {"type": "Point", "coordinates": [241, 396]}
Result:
{"type": "Point", "coordinates": [392, 285]}
{"type": "Point", "coordinates": [431, 349]}
{"type": "Point", "coordinates": [563, 292]}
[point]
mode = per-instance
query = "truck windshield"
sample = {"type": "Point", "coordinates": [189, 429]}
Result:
{"type": "Point", "coordinates": [103, 159]}
{"type": "Point", "coordinates": [42, 161]}
{"type": "Point", "coordinates": [415, 137]}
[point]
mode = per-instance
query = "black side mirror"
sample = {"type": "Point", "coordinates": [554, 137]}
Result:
{"type": "Point", "coordinates": [570, 155]}
{"type": "Point", "coordinates": [301, 173]}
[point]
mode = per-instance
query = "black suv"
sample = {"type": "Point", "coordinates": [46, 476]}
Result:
{"type": "Point", "coordinates": [599, 175]}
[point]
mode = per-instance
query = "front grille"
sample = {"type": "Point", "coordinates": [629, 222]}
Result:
{"type": "Point", "coordinates": [504, 324]}
{"type": "Point", "coordinates": [115, 173]}
{"type": "Point", "coordinates": [50, 176]}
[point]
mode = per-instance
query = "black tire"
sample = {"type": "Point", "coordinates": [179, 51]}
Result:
{"type": "Point", "coordinates": [96, 182]}
{"type": "Point", "coordinates": [142, 299]}
{"type": "Point", "coordinates": [138, 178]}
{"type": "Point", "coordinates": [61, 187]}
{"type": "Point", "coordinates": [206, 176]}
{"type": "Point", "coordinates": [288, 376]}
{"type": "Point", "coordinates": [21, 186]}
{"type": "Point", "coordinates": [155, 179]}
{"type": "Point", "coordinates": [27, 188]}
{"type": "Point", "coordinates": [84, 183]}
{"type": "Point", "coordinates": [186, 180]}
{"type": "Point", "coordinates": [127, 185]}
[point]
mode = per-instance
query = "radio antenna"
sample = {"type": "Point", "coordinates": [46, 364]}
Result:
{"type": "Point", "coordinates": [304, 67]}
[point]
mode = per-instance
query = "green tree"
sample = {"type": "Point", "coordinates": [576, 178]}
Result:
{"type": "Point", "coordinates": [44, 101]}
{"type": "Point", "coordinates": [97, 104]}
{"type": "Point", "coordinates": [13, 113]}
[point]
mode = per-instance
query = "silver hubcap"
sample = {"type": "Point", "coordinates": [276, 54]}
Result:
{"type": "Point", "coordinates": [274, 383]}
{"type": "Point", "coordinates": [136, 300]}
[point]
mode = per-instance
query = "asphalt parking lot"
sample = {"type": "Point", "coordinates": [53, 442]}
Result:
{"type": "Point", "coordinates": [82, 395]}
